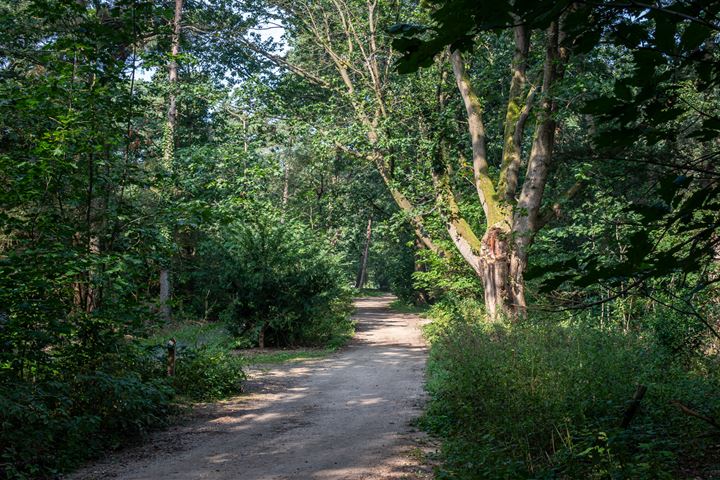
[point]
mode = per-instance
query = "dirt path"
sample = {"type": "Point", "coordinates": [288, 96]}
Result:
{"type": "Point", "coordinates": [343, 417]}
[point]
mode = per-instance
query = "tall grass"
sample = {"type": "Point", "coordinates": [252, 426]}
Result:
{"type": "Point", "coordinates": [546, 401]}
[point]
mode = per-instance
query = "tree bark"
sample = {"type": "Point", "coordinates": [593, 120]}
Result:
{"type": "Point", "coordinates": [165, 311]}
{"type": "Point", "coordinates": [495, 273]}
{"type": "Point", "coordinates": [261, 336]}
{"type": "Point", "coordinates": [169, 143]}
{"type": "Point", "coordinates": [362, 273]}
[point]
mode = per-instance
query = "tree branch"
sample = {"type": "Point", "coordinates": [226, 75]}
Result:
{"type": "Point", "coordinates": [515, 118]}
{"type": "Point", "coordinates": [476, 128]}
{"type": "Point", "coordinates": [555, 211]}
{"type": "Point", "coordinates": [283, 63]}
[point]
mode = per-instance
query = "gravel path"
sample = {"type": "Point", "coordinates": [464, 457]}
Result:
{"type": "Point", "coordinates": [347, 416]}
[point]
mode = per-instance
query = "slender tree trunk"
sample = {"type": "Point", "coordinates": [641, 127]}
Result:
{"type": "Point", "coordinates": [169, 144]}
{"type": "Point", "coordinates": [165, 311]}
{"type": "Point", "coordinates": [421, 295]}
{"type": "Point", "coordinates": [261, 336]}
{"type": "Point", "coordinates": [286, 186]}
{"type": "Point", "coordinates": [362, 273]}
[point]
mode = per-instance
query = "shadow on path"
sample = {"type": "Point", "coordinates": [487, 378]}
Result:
{"type": "Point", "coordinates": [346, 416]}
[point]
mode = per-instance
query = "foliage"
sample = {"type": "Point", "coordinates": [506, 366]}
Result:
{"type": "Point", "coordinates": [284, 149]}
{"type": "Point", "coordinates": [392, 259]}
{"type": "Point", "coordinates": [61, 419]}
{"type": "Point", "coordinates": [284, 285]}
{"type": "Point", "coordinates": [545, 400]}
{"type": "Point", "coordinates": [208, 373]}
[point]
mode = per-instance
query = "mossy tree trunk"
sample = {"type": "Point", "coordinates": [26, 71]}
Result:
{"type": "Point", "coordinates": [169, 145]}
{"type": "Point", "coordinates": [361, 76]}
{"type": "Point", "coordinates": [500, 256]}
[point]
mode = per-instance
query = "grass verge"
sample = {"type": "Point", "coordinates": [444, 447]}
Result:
{"type": "Point", "coordinates": [268, 357]}
{"type": "Point", "coordinates": [402, 306]}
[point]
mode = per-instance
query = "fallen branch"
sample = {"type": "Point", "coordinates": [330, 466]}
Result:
{"type": "Point", "coordinates": [689, 411]}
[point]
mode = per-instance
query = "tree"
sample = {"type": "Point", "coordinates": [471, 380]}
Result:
{"type": "Point", "coordinates": [344, 54]}
{"type": "Point", "coordinates": [512, 203]}
{"type": "Point", "coordinates": [513, 218]}
{"type": "Point", "coordinates": [169, 140]}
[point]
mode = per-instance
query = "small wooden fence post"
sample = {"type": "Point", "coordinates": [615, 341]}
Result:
{"type": "Point", "coordinates": [171, 357]}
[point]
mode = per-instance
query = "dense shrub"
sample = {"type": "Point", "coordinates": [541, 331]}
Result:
{"type": "Point", "coordinates": [546, 401]}
{"type": "Point", "coordinates": [54, 424]}
{"type": "Point", "coordinates": [85, 402]}
{"type": "Point", "coordinates": [208, 373]}
{"type": "Point", "coordinates": [284, 285]}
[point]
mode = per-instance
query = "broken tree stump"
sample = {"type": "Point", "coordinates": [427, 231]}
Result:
{"type": "Point", "coordinates": [634, 406]}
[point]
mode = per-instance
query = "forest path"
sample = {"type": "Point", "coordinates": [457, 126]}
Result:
{"type": "Point", "coordinates": [346, 416]}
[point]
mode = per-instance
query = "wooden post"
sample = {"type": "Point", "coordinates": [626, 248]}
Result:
{"type": "Point", "coordinates": [634, 406]}
{"type": "Point", "coordinates": [171, 357]}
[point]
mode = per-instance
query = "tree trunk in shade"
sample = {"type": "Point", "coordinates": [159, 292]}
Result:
{"type": "Point", "coordinates": [169, 143]}
{"type": "Point", "coordinates": [362, 273]}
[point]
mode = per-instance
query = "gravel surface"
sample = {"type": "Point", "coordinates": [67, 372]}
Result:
{"type": "Point", "coordinates": [347, 416]}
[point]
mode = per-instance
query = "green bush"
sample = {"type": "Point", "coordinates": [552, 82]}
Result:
{"type": "Point", "coordinates": [546, 401]}
{"type": "Point", "coordinates": [89, 398]}
{"type": "Point", "coordinates": [207, 373]}
{"type": "Point", "coordinates": [55, 425]}
{"type": "Point", "coordinates": [284, 285]}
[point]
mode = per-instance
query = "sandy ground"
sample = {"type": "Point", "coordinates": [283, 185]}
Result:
{"type": "Point", "coordinates": [347, 416]}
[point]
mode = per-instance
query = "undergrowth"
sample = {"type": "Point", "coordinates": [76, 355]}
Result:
{"type": "Point", "coordinates": [545, 400]}
{"type": "Point", "coordinates": [91, 398]}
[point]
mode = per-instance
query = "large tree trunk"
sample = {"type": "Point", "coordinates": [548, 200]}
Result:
{"type": "Point", "coordinates": [503, 259]}
{"type": "Point", "coordinates": [495, 268]}
{"type": "Point", "coordinates": [518, 263]}
{"type": "Point", "coordinates": [502, 268]}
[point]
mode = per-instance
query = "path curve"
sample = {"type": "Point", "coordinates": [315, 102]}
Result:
{"type": "Point", "coordinates": [344, 417]}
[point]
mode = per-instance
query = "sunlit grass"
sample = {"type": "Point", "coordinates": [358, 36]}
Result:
{"type": "Point", "coordinates": [193, 334]}
{"type": "Point", "coordinates": [269, 357]}
{"type": "Point", "coordinates": [215, 335]}
{"type": "Point", "coordinates": [371, 292]}
{"type": "Point", "coordinates": [402, 306]}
